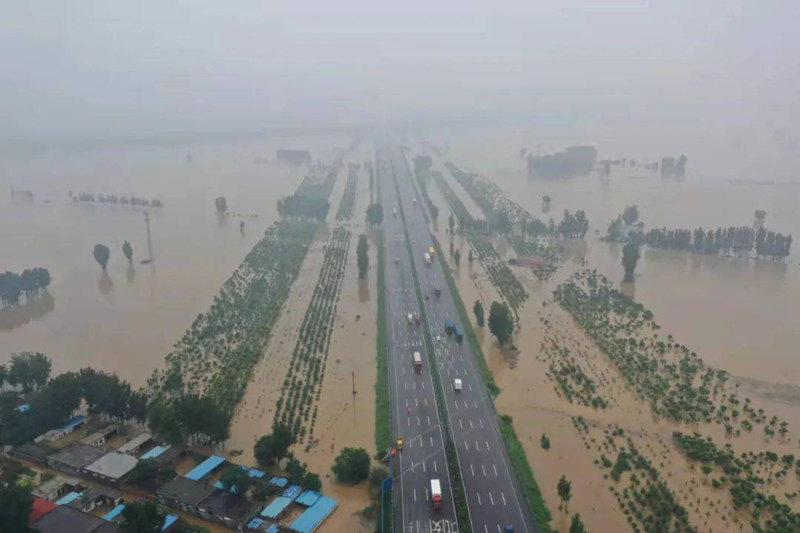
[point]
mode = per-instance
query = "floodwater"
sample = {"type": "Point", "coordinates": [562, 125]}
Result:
{"type": "Point", "coordinates": [737, 315]}
{"type": "Point", "coordinates": [127, 320]}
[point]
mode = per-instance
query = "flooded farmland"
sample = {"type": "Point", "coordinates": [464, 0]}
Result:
{"type": "Point", "coordinates": [128, 320]}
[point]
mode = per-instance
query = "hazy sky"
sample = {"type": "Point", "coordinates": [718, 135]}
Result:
{"type": "Point", "coordinates": [117, 68]}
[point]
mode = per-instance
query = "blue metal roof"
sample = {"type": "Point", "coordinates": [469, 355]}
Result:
{"type": "Point", "coordinates": [292, 492]}
{"type": "Point", "coordinates": [113, 513]}
{"type": "Point", "coordinates": [279, 481]}
{"type": "Point", "coordinates": [314, 515]}
{"type": "Point", "coordinates": [256, 473]}
{"type": "Point", "coordinates": [71, 497]}
{"type": "Point", "coordinates": [308, 498]}
{"type": "Point", "coordinates": [273, 529]}
{"type": "Point", "coordinates": [205, 468]}
{"type": "Point", "coordinates": [73, 422]}
{"type": "Point", "coordinates": [23, 408]}
{"type": "Point", "coordinates": [276, 507]}
{"type": "Point", "coordinates": [255, 523]}
{"type": "Point", "coordinates": [168, 521]}
{"type": "Point", "coordinates": [155, 452]}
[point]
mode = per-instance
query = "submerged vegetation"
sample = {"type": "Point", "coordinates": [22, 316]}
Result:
{"type": "Point", "coordinates": [345, 211]}
{"type": "Point", "coordinates": [303, 382]}
{"type": "Point", "coordinates": [311, 199]}
{"type": "Point", "coordinates": [673, 379]}
{"type": "Point", "coordinates": [30, 284]}
{"type": "Point", "coordinates": [216, 355]}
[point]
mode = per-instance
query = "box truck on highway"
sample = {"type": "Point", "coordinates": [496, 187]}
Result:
{"type": "Point", "coordinates": [459, 332]}
{"type": "Point", "coordinates": [436, 494]}
{"type": "Point", "coordinates": [427, 258]}
{"type": "Point", "coordinates": [417, 361]}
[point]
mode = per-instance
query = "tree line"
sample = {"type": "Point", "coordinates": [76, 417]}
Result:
{"type": "Point", "coordinates": [116, 200]}
{"type": "Point", "coordinates": [739, 241]}
{"type": "Point", "coordinates": [30, 283]}
{"type": "Point", "coordinates": [53, 402]}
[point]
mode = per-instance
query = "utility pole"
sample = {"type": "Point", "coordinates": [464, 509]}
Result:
{"type": "Point", "coordinates": [149, 240]}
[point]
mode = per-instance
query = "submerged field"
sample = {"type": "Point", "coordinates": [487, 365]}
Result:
{"type": "Point", "coordinates": [621, 417]}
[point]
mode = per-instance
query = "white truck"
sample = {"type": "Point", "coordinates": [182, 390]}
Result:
{"type": "Point", "coordinates": [436, 494]}
{"type": "Point", "coordinates": [410, 318]}
{"type": "Point", "coordinates": [417, 362]}
{"type": "Point", "coordinates": [427, 258]}
{"type": "Point", "coordinates": [457, 385]}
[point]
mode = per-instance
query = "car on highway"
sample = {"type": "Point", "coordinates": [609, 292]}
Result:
{"type": "Point", "coordinates": [410, 318]}
{"type": "Point", "coordinates": [417, 362]}
{"type": "Point", "coordinates": [457, 385]}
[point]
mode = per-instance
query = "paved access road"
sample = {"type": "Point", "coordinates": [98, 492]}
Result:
{"type": "Point", "coordinates": [413, 405]}
{"type": "Point", "coordinates": [493, 494]}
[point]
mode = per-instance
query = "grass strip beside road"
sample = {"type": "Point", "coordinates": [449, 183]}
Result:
{"type": "Point", "coordinates": [487, 375]}
{"type": "Point", "coordinates": [520, 464]}
{"type": "Point", "coordinates": [383, 430]}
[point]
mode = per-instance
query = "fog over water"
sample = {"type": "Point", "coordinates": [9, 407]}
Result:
{"type": "Point", "coordinates": [177, 100]}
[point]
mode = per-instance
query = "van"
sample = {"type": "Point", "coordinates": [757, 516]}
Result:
{"type": "Point", "coordinates": [457, 385]}
{"type": "Point", "coordinates": [417, 361]}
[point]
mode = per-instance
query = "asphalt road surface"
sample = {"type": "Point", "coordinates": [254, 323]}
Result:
{"type": "Point", "coordinates": [494, 497]}
{"type": "Point", "coordinates": [413, 407]}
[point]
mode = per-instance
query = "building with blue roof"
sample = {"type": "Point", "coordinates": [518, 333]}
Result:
{"type": "Point", "coordinates": [308, 498]}
{"type": "Point", "coordinates": [276, 507]}
{"type": "Point", "coordinates": [169, 521]}
{"type": "Point", "coordinates": [68, 498]}
{"type": "Point", "coordinates": [292, 492]}
{"type": "Point", "coordinates": [312, 517]}
{"type": "Point", "coordinates": [278, 481]}
{"type": "Point", "coordinates": [154, 452]}
{"type": "Point", "coordinates": [114, 513]}
{"type": "Point", "coordinates": [205, 468]}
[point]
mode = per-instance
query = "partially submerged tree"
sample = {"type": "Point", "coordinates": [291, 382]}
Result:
{"type": "Point", "coordinates": [362, 257]}
{"type": "Point", "coordinates": [221, 204]}
{"type": "Point", "coordinates": [501, 323]}
{"type": "Point", "coordinates": [101, 255]}
{"type": "Point", "coordinates": [16, 504]}
{"type": "Point", "coordinates": [577, 524]}
{"type": "Point", "coordinates": [30, 370]}
{"type": "Point", "coordinates": [374, 215]}
{"type": "Point", "coordinates": [352, 465]}
{"type": "Point", "coordinates": [564, 489]}
{"type": "Point", "coordinates": [630, 258]}
{"type": "Point", "coordinates": [479, 316]}
{"type": "Point", "coordinates": [127, 249]}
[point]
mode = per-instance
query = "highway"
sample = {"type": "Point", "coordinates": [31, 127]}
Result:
{"type": "Point", "coordinates": [493, 495]}
{"type": "Point", "coordinates": [413, 405]}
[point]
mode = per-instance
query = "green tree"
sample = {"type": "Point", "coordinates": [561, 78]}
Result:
{"type": "Point", "coordinates": [451, 221]}
{"type": "Point", "coordinates": [311, 481]}
{"type": "Point", "coordinates": [221, 204]}
{"type": "Point", "coordinates": [271, 448]}
{"type": "Point", "coordinates": [564, 489]}
{"type": "Point", "coordinates": [630, 258]}
{"type": "Point", "coordinates": [3, 375]}
{"type": "Point", "coordinates": [546, 200]}
{"type": "Point", "coordinates": [352, 465]}
{"type": "Point", "coordinates": [374, 214]}
{"type": "Point", "coordinates": [127, 250]}
{"type": "Point", "coordinates": [470, 257]}
{"type": "Point", "coordinates": [501, 323]}
{"type": "Point", "coordinates": [15, 507]}
{"type": "Point", "coordinates": [236, 480]}
{"type": "Point", "coordinates": [577, 524]}
{"type": "Point", "coordinates": [29, 369]}
{"type": "Point", "coordinates": [297, 471]}
{"type": "Point", "coordinates": [503, 223]}
{"type": "Point", "coordinates": [545, 442]}
{"type": "Point", "coordinates": [479, 316]}
{"type": "Point", "coordinates": [101, 255]}
{"type": "Point", "coordinates": [142, 517]}
{"type": "Point", "coordinates": [362, 256]}
{"type": "Point", "coordinates": [457, 257]}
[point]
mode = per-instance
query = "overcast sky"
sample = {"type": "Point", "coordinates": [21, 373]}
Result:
{"type": "Point", "coordinates": [111, 67]}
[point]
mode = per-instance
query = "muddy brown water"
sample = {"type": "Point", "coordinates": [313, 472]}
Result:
{"type": "Point", "coordinates": [737, 315]}
{"type": "Point", "coordinates": [128, 320]}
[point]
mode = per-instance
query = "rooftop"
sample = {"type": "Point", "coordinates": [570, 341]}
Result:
{"type": "Point", "coordinates": [155, 452]}
{"type": "Point", "coordinates": [186, 490]}
{"type": "Point", "coordinates": [66, 520]}
{"type": "Point", "coordinates": [276, 507]}
{"type": "Point", "coordinates": [77, 455]}
{"type": "Point", "coordinates": [135, 443]}
{"type": "Point", "coordinates": [31, 450]}
{"type": "Point", "coordinates": [40, 508]}
{"type": "Point", "coordinates": [206, 467]}
{"type": "Point", "coordinates": [314, 515]}
{"type": "Point", "coordinates": [113, 465]}
{"type": "Point", "coordinates": [105, 432]}
{"type": "Point", "coordinates": [227, 505]}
